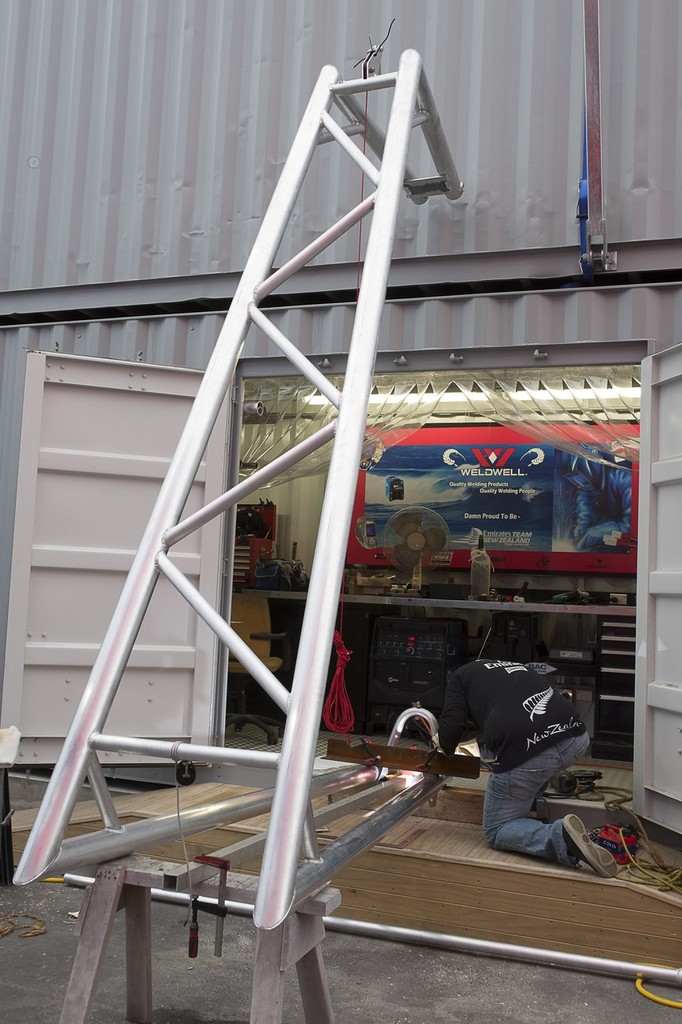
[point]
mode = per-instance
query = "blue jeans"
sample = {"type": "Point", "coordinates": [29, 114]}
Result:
{"type": "Point", "coordinates": [510, 796]}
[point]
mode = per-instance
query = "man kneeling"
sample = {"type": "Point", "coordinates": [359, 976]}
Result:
{"type": "Point", "coordinates": [529, 733]}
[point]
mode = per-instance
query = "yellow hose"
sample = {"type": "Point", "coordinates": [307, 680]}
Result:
{"type": "Point", "coordinates": [639, 985]}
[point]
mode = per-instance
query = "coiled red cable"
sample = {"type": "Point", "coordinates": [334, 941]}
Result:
{"type": "Point", "coordinates": [338, 714]}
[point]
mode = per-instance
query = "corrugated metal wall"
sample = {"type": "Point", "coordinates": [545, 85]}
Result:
{"type": "Point", "coordinates": [465, 326]}
{"type": "Point", "coordinates": [142, 138]}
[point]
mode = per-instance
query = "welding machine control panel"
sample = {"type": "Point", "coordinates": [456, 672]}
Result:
{"type": "Point", "coordinates": [415, 641]}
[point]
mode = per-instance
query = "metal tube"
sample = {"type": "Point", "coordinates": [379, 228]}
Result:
{"type": "Point", "coordinates": [241, 490]}
{"type": "Point", "coordinates": [62, 791]}
{"type": "Point", "coordinates": [101, 793]}
{"type": "Point", "coordinates": [349, 129]}
{"type": "Point", "coordinates": [229, 540]}
{"type": "Point", "coordinates": [405, 716]}
{"type": "Point", "coordinates": [364, 124]}
{"type": "Point", "coordinates": [435, 140]}
{"type": "Point", "coordinates": [551, 957]}
{"type": "Point", "coordinates": [363, 162]}
{"type": "Point", "coordinates": [312, 875]}
{"type": "Point", "coordinates": [280, 856]}
{"type": "Point", "coordinates": [97, 847]}
{"type": "Point", "coordinates": [246, 849]}
{"type": "Point", "coordinates": [309, 847]}
{"type": "Point", "coordinates": [251, 662]}
{"type": "Point", "coordinates": [455, 943]}
{"type": "Point", "coordinates": [366, 84]}
{"type": "Point", "coordinates": [595, 207]}
{"type": "Point", "coordinates": [374, 136]}
{"type": "Point", "coordinates": [295, 356]}
{"type": "Point", "coordinates": [324, 240]}
{"type": "Point", "coordinates": [184, 751]}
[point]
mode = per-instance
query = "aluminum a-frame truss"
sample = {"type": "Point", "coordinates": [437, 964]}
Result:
{"type": "Point", "coordinates": [283, 884]}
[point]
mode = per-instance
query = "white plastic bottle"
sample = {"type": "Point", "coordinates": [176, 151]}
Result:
{"type": "Point", "coordinates": [479, 584]}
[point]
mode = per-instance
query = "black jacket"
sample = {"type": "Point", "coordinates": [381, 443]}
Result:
{"type": "Point", "coordinates": [517, 712]}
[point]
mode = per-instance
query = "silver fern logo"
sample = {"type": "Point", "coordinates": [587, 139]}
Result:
{"type": "Point", "coordinates": [537, 704]}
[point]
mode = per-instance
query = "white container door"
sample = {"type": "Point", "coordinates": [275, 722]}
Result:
{"type": "Point", "coordinates": [97, 438]}
{"type": "Point", "coordinates": [658, 687]}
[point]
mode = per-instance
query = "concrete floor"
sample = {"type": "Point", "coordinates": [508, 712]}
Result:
{"type": "Point", "coordinates": [370, 980]}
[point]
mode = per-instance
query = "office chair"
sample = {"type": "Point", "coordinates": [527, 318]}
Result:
{"type": "Point", "coordinates": [251, 620]}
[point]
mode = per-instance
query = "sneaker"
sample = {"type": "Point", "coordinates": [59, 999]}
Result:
{"type": "Point", "coordinates": [579, 845]}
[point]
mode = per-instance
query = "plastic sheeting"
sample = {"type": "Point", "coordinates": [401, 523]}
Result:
{"type": "Point", "coordinates": [591, 412]}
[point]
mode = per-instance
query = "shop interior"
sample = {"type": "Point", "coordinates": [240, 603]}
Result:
{"type": "Point", "coordinates": [554, 597]}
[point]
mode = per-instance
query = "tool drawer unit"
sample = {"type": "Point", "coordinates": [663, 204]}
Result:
{"type": "Point", "coordinates": [614, 690]}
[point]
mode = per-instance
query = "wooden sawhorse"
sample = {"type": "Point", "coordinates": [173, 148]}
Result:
{"type": "Point", "coordinates": [127, 885]}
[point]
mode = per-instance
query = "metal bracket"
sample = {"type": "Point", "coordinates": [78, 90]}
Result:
{"type": "Point", "coordinates": [594, 250]}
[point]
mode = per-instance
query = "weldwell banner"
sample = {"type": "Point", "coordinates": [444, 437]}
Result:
{"type": "Point", "coordinates": [539, 508]}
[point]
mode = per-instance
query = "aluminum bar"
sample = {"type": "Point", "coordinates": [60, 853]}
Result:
{"type": "Point", "coordinates": [276, 891]}
{"type": "Point", "coordinates": [251, 662]}
{"type": "Point", "coordinates": [322, 242]}
{"type": "Point", "coordinates": [509, 951]}
{"type": "Point", "coordinates": [312, 875]}
{"type": "Point", "coordinates": [374, 136]}
{"type": "Point", "coordinates": [295, 356]}
{"type": "Point", "coordinates": [354, 85]}
{"type": "Point", "coordinates": [219, 690]}
{"type": "Point", "coordinates": [454, 943]}
{"type": "Point", "coordinates": [435, 140]}
{"type": "Point", "coordinates": [184, 751]}
{"type": "Point", "coordinates": [98, 847]}
{"type": "Point", "coordinates": [363, 124]}
{"type": "Point", "coordinates": [309, 846]}
{"type": "Point", "coordinates": [257, 479]}
{"type": "Point", "coordinates": [62, 791]}
{"type": "Point", "coordinates": [102, 795]}
{"type": "Point", "coordinates": [350, 129]}
{"type": "Point", "coordinates": [176, 878]}
{"type": "Point", "coordinates": [356, 154]}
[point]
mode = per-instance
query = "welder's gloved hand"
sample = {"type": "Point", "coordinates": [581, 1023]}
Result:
{"type": "Point", "coordinates": [435, 742]}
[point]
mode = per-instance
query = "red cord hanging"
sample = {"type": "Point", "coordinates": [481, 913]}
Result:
{"type": "Point", "coordinates": [337, 714]}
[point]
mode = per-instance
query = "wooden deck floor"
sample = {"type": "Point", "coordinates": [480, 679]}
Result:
{"type": "Point", "coordinates": [434, 872]}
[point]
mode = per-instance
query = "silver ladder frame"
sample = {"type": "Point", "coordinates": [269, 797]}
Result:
{"type": "Point", "coordinates": [283, 885]}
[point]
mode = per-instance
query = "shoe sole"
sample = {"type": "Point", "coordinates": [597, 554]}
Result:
{"type": "Point", "coordinates": [599, 859]}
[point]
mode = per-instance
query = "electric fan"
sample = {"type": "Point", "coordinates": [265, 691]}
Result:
{"type": "Point", "coordinates": [412, 537]}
